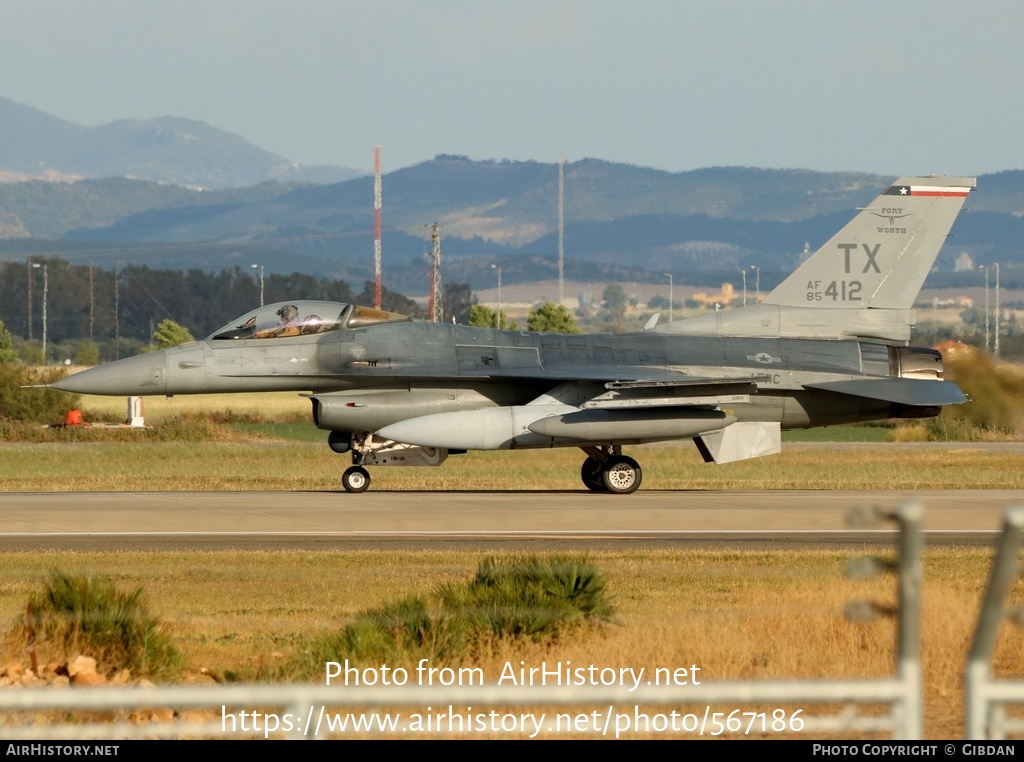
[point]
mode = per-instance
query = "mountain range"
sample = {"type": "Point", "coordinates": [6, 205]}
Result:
{"type": "Point", "coordinates": [140, 202]}
{"type": "Point", "coordinates": [167, 149]}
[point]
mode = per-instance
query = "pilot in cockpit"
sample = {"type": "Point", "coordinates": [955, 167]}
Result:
{"type": "Point", "coordinates": [289, 325]}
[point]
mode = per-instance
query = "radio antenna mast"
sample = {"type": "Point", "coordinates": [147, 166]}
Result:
{"type": "Point", "coordinates": [376, 228]}
{"type": "Point", "coordinates": [561, 227]}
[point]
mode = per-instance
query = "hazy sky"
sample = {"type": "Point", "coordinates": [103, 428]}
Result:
{"type": "Point", "coordinates": [896, 87]}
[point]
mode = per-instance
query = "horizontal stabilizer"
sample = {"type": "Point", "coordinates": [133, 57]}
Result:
{"type": "Point", "coordinates": [904, 391]}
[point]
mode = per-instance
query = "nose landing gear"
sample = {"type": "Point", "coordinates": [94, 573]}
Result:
{"type": "Point", "coordinates": [355, 479]}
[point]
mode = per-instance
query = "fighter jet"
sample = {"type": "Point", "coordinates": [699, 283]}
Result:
{"type": "Point", "coordinates": [829, 346]}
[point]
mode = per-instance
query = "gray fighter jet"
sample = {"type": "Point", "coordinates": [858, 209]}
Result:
{"type": "Point", "coordinates": [828, 346]}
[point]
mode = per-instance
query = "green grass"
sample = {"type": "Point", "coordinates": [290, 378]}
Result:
{"type": "Point", "coordinates": [293, 465]}
{"type": "Point", "coordinates": [291, 432]}
{"type": "Point", "coordinates": [866, 433]}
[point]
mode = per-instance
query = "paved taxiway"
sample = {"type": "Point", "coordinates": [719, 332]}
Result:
{"type": "Point", "coordinates": [325, 520]}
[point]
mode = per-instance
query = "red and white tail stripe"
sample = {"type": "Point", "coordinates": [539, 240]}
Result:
{"type": "Point", "coordinates": [928, 190]}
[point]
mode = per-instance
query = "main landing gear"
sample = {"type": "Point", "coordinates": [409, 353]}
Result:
{"type": "Point", "coordinates": [606, 469]}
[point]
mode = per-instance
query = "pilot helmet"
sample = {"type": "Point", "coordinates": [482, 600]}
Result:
{"type": "Point", "coordinates": [288, 312]}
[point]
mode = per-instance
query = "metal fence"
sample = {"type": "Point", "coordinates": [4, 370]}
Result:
{"type": "Point", "coordinates": [987, 696]}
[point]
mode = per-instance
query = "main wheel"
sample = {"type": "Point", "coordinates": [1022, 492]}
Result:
{"type": "Point", "coordinates": [621, 475]}
{"type": "Point", "coordinates": [355, 479]}
{"type": "Point", "coordinates": [590, 473]}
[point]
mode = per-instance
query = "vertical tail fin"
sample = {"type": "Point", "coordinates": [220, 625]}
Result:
{"type": "Point", "coordinates": [863, 282]}
{"type": "Point", "coordinates": [881, 258]}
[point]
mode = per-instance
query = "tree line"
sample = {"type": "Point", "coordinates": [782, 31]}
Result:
{"type": "Point", "coordinates": [117, 309]}
{"type": "Point", "coordinates": [95, 314]}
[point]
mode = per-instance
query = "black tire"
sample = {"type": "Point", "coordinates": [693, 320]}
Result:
{"type": "Point", "coordinates": [355, 479]}
{"type": "Point", "coordinates": [590, 473]}
{"type": "Point", "coordinates": [621, 475]}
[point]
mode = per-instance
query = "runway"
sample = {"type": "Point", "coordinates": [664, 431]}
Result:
{"type": "Point", "coordinates": [437, 520]}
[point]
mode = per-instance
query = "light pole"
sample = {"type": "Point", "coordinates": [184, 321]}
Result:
{"type": "Point", "coordinates": [757, 283]}
{"type": "Point", "coordinates": [261, 281]}
{"type": "Point", "coordinates": [996, 265]}
{"type": "Point", "coordinates": [670, 299]}
{"type": "Point", "coordinates": [500, 323]}
{"type": "Point", "coordinates": [744, 274]}
{"type": "Point", "coordinates": [46, 292]}
{"type": "Point", "coordinates": [988, 340]}
{"type": "Point", "coordinates": [28, 270]}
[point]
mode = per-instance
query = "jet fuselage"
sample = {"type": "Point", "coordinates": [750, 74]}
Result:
{"type": "Point", "coordinates": [365, 378]}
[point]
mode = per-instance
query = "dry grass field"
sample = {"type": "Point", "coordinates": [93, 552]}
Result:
{"type": "Point", "coordinates": [271, 406]}
{"type": "Point", "coordinates": [735, 615]}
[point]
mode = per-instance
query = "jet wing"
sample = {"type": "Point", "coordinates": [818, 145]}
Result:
{"type": "Point", "coordinates": [649, 383]}
{"type": "Point", "coordinates": [637, 387]}
{"type": "Point", "coordinates": [904, 391]}
{"type": "Point", "coordinates": [618, 377]}
{"type": "Point", "coordinates": [686, 391]}
{"type": "Point", "coordinates": [581, 373]}
{"type": "Point", "coordinates": [514, 363]}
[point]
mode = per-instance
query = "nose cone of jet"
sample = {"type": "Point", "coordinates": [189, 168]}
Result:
{"type": "Point", "coordinates": [142, 375]}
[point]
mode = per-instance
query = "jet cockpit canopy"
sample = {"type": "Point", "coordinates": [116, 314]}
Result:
{"type": "Point", "coordinates": [302, 318]}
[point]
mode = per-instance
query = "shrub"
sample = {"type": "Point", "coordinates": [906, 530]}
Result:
{"type": "Point", "coordinates": [87, 614]}
{"type": "Point", "coordinates": [508, 598]}
{"type": "Point", "coordinates": [7, 353]}
{"type": "Point", "coordinates": [529, 596]}
{"type": "Point", "coordinates": [996, 393]}
{"type": "Point", "coordinates": [88, 354]}
{"type": "Point", "coordinates": [405, 630]}
{"type": "Point", "coordinates": [39, 405]}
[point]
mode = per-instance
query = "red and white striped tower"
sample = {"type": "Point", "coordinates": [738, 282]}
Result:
{"type": "Point", "coordinates": [376, 227]}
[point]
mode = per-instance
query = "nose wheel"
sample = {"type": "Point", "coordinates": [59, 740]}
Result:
{"type": "Point", "coordinates": [355, 479]}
